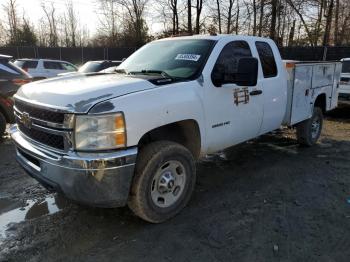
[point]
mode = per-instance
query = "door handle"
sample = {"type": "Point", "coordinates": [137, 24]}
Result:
{"type": "Point", "coordinates": [255, 93]}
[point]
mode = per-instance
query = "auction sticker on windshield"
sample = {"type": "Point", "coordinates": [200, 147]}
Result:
{"type": "Point", "coordinates": [189, 57]}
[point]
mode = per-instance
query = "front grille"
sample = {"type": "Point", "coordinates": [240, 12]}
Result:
{"type": "Point", "coordinates": [52, 140]}
{"type": "Point", "coordinates": [39, 113]}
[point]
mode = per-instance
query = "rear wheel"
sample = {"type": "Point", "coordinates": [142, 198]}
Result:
{"type": "Point", "coordinates": [2, 125]}
{"type": "Point", "coordinates": [165, 176]}
{"type": "Point", "coordinates": [309, 131]}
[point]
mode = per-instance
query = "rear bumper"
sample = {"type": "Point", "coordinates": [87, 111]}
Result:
{"type": "Point", "coordinates": [95, 179]}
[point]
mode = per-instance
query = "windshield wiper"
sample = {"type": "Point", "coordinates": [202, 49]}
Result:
{"type": "Point", "coordinates": [146, 72]}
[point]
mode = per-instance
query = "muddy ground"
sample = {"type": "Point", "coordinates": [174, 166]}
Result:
{"type": "Point", "coordinates": [267, 200]}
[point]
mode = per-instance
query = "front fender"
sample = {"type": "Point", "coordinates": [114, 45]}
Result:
{"type": "Point", "coordinates": [149, 109]}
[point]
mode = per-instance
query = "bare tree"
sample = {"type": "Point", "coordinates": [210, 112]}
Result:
{"type": "Point", "coordinates": [273, 19]}
{"type": "Point", "coordinates": [218, 2]}
{"type": "Point", "coordinates": [72, 22]}
{"type": "Point", "coordinates": [50, 13]}
{"type": "Point", "coordinates": [306, 27]}
{"type": "Point", "coordinates": [336, 23]}
{"type": "Point", "coordinates": [229, 16]}
{"type": "Point", "coordinates": [11, 12]}
{"type": "Point", "coordinates": [175, 15]}
{"type": "Point", "coordinates": [135, 10]}
{"type": "Point", "coordinates": [254, 17]}
{"type": "Point", "coordinates": [108, 21]}
{"type": "Point", "coordinates": [189, 17]}
{"type": "Point", "coordinates": [199, 8]}
{"type": "Point", "coordinates": [261, 16]}
{"type": "Point", "coordinates": [237, 18]}
{"type": "Point", "coordinates": [328, 24]}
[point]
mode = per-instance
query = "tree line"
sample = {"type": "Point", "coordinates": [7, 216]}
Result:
{"type": "Point", "coordinates": [127, 22]}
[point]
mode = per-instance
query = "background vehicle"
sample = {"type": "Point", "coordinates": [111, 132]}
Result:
{"type": "Point", "coordinates": [11, 78]}
{"type": "Point", "coordinates": [94, 66]}
{"type": "Point", "coordinates": [344, 87]}
{"type": "Point", "coordinates": [132, 136]}
{"type": "Point", "coordinates": [44, 68]}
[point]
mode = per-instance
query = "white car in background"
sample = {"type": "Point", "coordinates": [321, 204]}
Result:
{"type": "Point", "coordinates": [45, 68]}
{"type": "Point", "coordinates": [344, 87]}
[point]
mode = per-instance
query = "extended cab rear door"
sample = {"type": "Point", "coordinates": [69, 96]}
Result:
{"type": "Point", "coordinates": [273, 83]}
{"type": "Point", "coordinates": [233, 113]}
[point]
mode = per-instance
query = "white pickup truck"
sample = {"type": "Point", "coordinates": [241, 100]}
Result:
{"type": "Point", "coordinates": [133, 136]}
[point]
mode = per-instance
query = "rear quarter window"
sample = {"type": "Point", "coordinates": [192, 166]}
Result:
{"type": "Point", "coordinates": [267, 59]}
{"type": "Point", "coordinates": [52, 65]}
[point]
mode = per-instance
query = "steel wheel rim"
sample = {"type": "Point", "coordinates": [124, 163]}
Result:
{"type": "Point", "coordinates": [168, 184]}
{"type": "Point", "coordinates": [315, 127]}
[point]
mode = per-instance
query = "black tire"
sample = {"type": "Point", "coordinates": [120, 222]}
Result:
{"type": "Point", "coordinates": [2, 125]}
{"type": "Point", "coordinates": [150, 162]}
{"type": "Point", "coordinates": [307, 134]}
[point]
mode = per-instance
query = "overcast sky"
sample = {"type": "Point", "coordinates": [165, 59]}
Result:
{"type": "Point", "coordinates": [85, 9]}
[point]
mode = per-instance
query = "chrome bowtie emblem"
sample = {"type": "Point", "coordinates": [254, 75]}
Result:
{"type": "Point", "coordinates": [26, 120]}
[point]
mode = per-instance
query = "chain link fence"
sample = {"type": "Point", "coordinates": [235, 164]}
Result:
{"type": "Point", "coordinates": [332, 53]}
{"type": "Point", "coordinates": [75, 55]}
{"type": "Point", "coordinates": [80, 55]}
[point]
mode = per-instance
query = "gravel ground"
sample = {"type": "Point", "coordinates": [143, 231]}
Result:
{"type": "Point", "coordinates": [266, 200]}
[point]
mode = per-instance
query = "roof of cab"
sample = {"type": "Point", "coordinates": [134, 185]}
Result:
{"type": "Point", "coordinates": [216, 37]}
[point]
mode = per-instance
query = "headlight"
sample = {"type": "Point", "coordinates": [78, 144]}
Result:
{"type": "Point", "coordinates": [100, 132]}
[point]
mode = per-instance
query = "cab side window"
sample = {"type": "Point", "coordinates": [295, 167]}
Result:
{"type": "Point", "coordinates": [267, 59]}
{"type": "Point", "coordinates": [228, 59]}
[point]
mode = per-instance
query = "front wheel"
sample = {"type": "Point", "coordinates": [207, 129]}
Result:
{"type": "Point", "coordinates": [309, 131]}
{"type": "Point", "coordinates": [165, 176]}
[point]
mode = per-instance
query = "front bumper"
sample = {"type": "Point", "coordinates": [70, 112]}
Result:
{"type": "Point", "coordinates": [95, 179]}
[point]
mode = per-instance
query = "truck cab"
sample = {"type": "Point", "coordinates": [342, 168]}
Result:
{"type": "Point", "coordinates": [132, 136]}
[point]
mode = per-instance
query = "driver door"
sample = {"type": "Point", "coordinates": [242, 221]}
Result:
{"type": "Point", "coordinates": [234, 113]}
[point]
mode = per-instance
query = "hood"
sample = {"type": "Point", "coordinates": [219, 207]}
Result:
{"type": "Point", "coordinates": [78, 93]}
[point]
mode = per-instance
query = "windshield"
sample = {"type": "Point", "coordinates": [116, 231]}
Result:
{"type": "Point", "coordinates": [182, 59]}
{"type": "Point", "coordinates": [89, 67]}
{"type": "Point", "coordinates": [346, 67]}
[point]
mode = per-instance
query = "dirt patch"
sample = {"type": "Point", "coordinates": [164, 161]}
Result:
{"type": "Point", "coordinates": [265, 200]}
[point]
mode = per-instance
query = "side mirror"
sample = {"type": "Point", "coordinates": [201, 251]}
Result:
{"type": "Point", "coordinates": [218, 75]}
{"type": "Point", "coordinates": [247, 73]}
